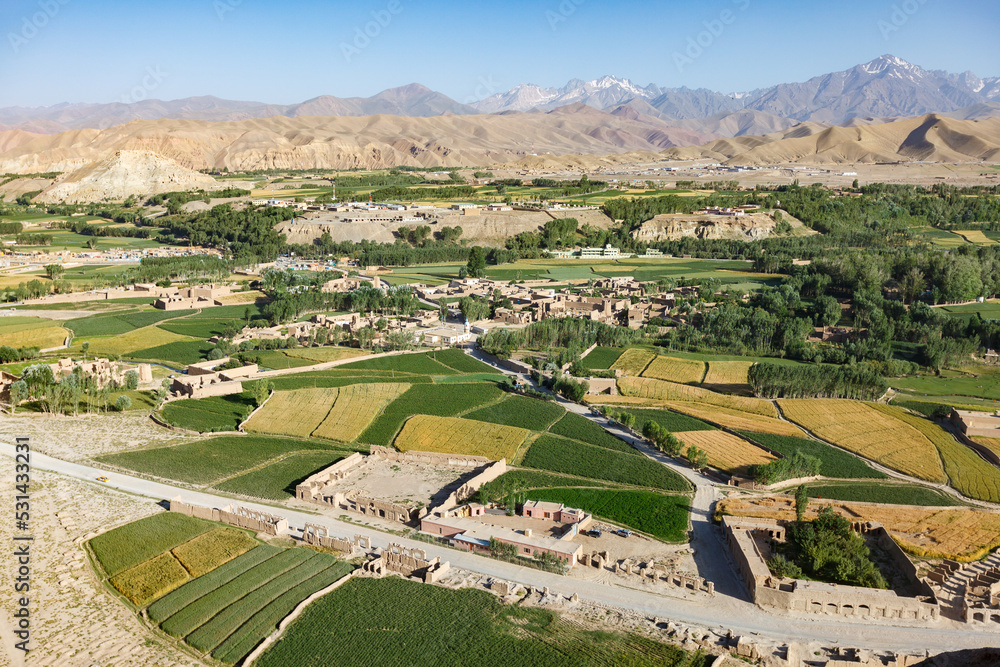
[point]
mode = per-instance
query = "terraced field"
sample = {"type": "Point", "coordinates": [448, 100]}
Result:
{"type": "Point", "coordinates": [728, 377]}
{"type": "Point", "coordinates": [633, 362]}
{"type": "Point", "coordinates": [661, 390]}
{"type": "Point", "coordinates": [294, 413]}
{"type": "Point", "coordinates": [726, 451]}
{"type": "Point", "coordinates": [867, 431]}
{"type": "Point", "coordinates": [683, 371]}
{"type": "Point", "coordinates": [354, 408]}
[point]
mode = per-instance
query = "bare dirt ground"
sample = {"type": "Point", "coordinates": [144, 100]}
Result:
{"type": "Point", "coordinates": [75, 621]}
{"type": "Point", "coordinates": [87, 436]}
{"type": "Point", "coordinates": [404, 483]}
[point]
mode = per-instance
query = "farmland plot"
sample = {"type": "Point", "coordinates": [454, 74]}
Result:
{"type": "Point", "coordinates": [450, 435]}
{"type": "Point", "coordinates": [354, 408]}
{"type": "Point", "coordinates": [633, 362]}
{"type": "Point", "coordinates": [683, 371]}
{"type": "Point", "coordinates": [726, 451]}
{"type": "Point", "coordinates": [296, 413]}
{"type": "Point", "coordinates": [210, 550]}
{"type": "Point", "coordinates": [150, 579]}
{"type": "Point", "coordinates": [729, 377]}
{"type": "Point", "coordinates": [134, 543]}
{"type": "Point", "coordinates": [862, 429]}
{"type": "Point", "coordinates": [670, 391]}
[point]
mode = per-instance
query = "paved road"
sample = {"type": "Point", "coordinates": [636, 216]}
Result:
{"type": "Point", "coordinates": [723, 613]}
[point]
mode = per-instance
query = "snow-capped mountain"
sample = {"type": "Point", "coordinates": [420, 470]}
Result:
{"type": "Point", "coordinates": [887, 86]}
{"type": "Point", "coordinates": [603, 93]}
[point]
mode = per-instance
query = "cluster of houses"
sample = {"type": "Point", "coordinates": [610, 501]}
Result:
{"type": "Point", "coordinates": [100, 370]}
{"type": "Point", "coordinates": [186, 298]}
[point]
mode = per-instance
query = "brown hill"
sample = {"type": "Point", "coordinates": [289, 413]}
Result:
{"type": "Point", "coordinates": [925, 138]}
{"type": "Point", "coordinates": [350, 142]}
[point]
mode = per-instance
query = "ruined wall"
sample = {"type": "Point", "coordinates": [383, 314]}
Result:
{"type": "Point", "coordinates": [244, 517]}
{"type": "Point", "coordinates": [409, 563]}
{"type": "Point", "coordinates": [313, 485]}
{"type": "Point", "coordinates": [469, 488]}
{"type": "Point", "coordinates": [815, 597]}
{"type": "Point", "coordinates": [429, 458]}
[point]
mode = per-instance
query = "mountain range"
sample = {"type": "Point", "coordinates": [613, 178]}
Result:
{"type": "Point", "coordinates": [883, 89]}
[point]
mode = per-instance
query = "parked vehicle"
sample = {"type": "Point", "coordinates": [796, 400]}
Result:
{"type": "Point", "coordinates": [594, 532]}
{"type": "Point", "coordinates": [624, 532]}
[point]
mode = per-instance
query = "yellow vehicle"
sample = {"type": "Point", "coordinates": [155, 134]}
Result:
{"type": "Point", "coordinates": [102, 479]}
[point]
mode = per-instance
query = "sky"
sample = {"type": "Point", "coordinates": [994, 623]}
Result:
{"type": "Point", "coordinates": [56, 51]}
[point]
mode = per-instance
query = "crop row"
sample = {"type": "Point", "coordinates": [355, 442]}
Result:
{"type": "Point", "coordinates": [309, 407]}
{"type": "Point", "coordinates": [659, 515]}
{"type": "Point", "coordinates": [575, 458]}
{"type": "Point", "coordinates": [671, 391]}
{"type": "Point", "coordinates": [209, 550]}
{"type": "Point", "coordinates": [726, 451]}
{"type": "Point", "coordinates": [150, 579]}
{"type": "Point", "coordinates": [125, 547]}
{"type": "Point", "coordinates": [833, 462]}
{"type": "Point", "coordinates": [191, 591]}
{"type": "Point", "coordinates": [354, 408]}
{"type": "Point", "coordinates": [521, 411]}
{"type": "Point", "coordinates": [582, 429]}
{"type": "Point", "coordinates": [451, 435]}
{"type": "Point", "coordinates": [684, 371]}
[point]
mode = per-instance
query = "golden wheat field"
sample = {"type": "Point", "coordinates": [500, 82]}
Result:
{"type": "Point", "coordinates": [728, 376]}
{"type": "Point", "coordinates": [670, 391]}
{"type": "Point", "coordinates": [151, 579]}
{"type": "Point", "coordinates": [977, 237]}
{"type": "Point", "coordinates": [137, 339]}
{"type": "Point", "coordinates": [451, 435]}
{"type": "Point", "coordinates": [928, 532]}
{"type": "Point", "coordinates": [684, 371]}
{"type": "Point", "coordinates": [734, 419]}
{"type": "Point", "coordinates": [726, 451]}
{"type": "Point", "coordinates": [42, 337]}
{"type": "Point", "coordinates": [633, 362]}
{"type": "Point", "coordinates": [296, 413]}
{"type": "Point", "coordinates": [864, 430]}
{"type": "Point", "coordinates": [354, 408]}
{"type": "Point", "coordinates": [967, 471]}
{"type": "Point", "coordinates": [208, 551]}
{"type": "Point", "coordinates": [992, 444]}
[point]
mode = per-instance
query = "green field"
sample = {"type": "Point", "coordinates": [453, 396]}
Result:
{"type": "Point", "coordinates": [444, 400]}
{"type": "Point", "coordinates": [127, 546]}
{"type": "Point", "coordinates": [180, 353]}
{"type": "Point", "coordinates": [985, 384]}
{"type": "Point", "coordinates": [662, 516]}
{"type": "Point", "coordinates": [206, 415]}
{"type": "Point", "coordinates": [115, 324]}
{"type": "Point", "coordinates": [520, 411]}
{"type": "Point", "coordinates": [834, 462]}
{"type": "Point", "coordinates": [430, 626]}
{"type": "Point", "coordinates": [575, 458]}
{"type": "Point", "coordinates": [582, 429]}
{"type": "Point", "coordinates": [884, 493]}
{"type": "Point", "coordinates": [461, 362]}
{"type": "Point", "coordinates": [420, 364]}
{"type": "Point", "coordinates": [277, 481]}
{"type": "Point", "coordinates": [206, 461]}
{"type": "Point", "coordinates": [672, 421]}
{"type": "Point", "coordinates": [536, 479]}
{"type": "Point", "coordinates": [601, 358]}
{"type": "Point", "coordinates": [338, 378]}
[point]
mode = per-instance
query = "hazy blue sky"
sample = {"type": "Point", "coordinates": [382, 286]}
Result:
{"type": "Point", "coordinates": [286, 52]}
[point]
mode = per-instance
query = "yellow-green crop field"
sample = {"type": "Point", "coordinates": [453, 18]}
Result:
{"type": "Point", "coordinates": [354, 408]}
{"type": "Point", "coordinates": [684, 371]}
{"type": "Point", "coordinates": [671, 391]}
{"type": "Point", "coordinates": [860, 428]}
{"type": "Point", "coordinates": [295, 413]}
{"type": "Point", "coordinates": [452, 435]}
{"type": "Point", "coordinates": [726, 451]}
{"type": "Point", "coordinates": [210, 550]}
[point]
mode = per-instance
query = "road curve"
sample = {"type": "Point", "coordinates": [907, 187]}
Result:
{"type": "Point", "coordinates": [723, 613]}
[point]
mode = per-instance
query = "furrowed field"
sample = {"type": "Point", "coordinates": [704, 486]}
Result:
{"type": "Point", "coordinates": [460, 628]}
{"type": "Point", "coordinates": [669, 391]}
{"type": "Point", "coordinates": [729, 377]}
{"type": "Point", "coordinates": [204, 553]}
{"type": "Point", "coordinates": [582, 429]}
{"type": "Point", "coordinates": [443, 400]}
{"type": "Point", "coordinates": [204, 462]}
{"type": "Point", "coordinates": [726, 451]}
{"type": "Point", "coordinates": [602, 358]}
{"type": "Point", "coordinates": [575, 458]}
{"type": "Point", "coordinates": [683, 371]}
{"type": "Point", "coordinates": [354, 408]}
{"type": "Point", "coordinates": [125, 547]}
{"type": "Point", "coordinates": [662, 516]}
{"type": "Point", "coordinates": [967, 471]}
{"type": "Point", "coordinates": [294, 413]}
{"type": "Point", "coordinates": [868, 432]}
{"type": "Point", "coordinates": [672, 421]}
{"type": "Point", "coordinates": [277, 479]}
{"type": "Point", "coordinates": [449, 435]}
{"type": "Point", "coordinates": [633, 362]}
{"type": "Point", "coordinates": [833, 462]}
{"type": "Point", "coordinates": [714, 414]}
{"type": "Point", "coordinates": [206, 415]}
{"type": "Point", "coordinates": [521, 411]}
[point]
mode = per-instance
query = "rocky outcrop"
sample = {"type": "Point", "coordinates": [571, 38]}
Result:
{"type": "Point", "coordinates": [672, 227]}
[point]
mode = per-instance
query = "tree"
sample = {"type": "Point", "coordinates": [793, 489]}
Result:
{"type": "Point", "coordinates": [123, 403]}
{"type": "Point", "coordinates": [18, 393]}
{"type": "Point", "coordinates": [54, 271]}
{"type": "Point", "coordinates": [476, 267]}
{"type": "Point", "coordinates": [86, 348]}
{"type": "Point", "coordinates": [259, 390]}
{"type": "Point", "coordinates": [132, 380]}
{"type": "Point", "coordinates": [801, 502]}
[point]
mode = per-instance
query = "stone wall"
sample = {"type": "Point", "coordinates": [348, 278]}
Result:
{"type": "Point", "coordinates": [794, 595]}
{"type": "Point", "coordinates": [429, 458]}
{"type": "Point", "coordinates": [468, 489]}
{"type": "Point", "coordinates": [244, 517]}
{"type": "Point", "coordinates": [658, 572]}
{"type": "Point", "coordinates": [409, 563]}
{"type": "Point", "coordinates": [312, 486]}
